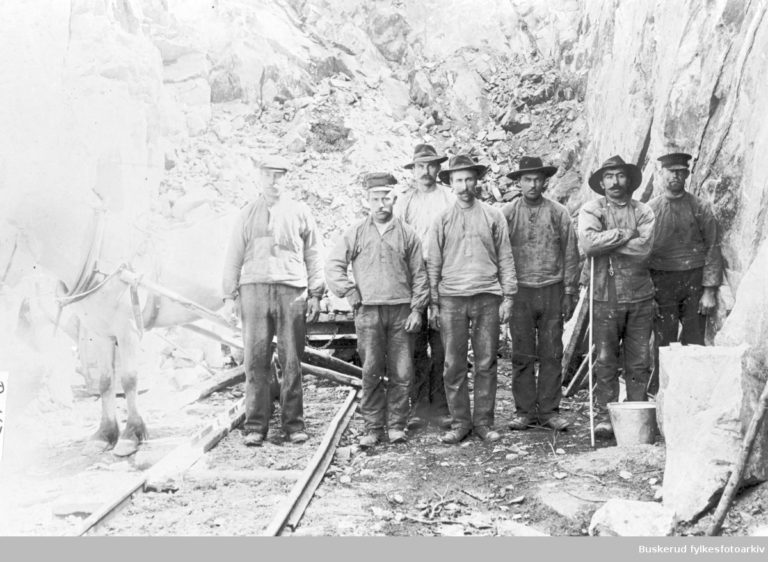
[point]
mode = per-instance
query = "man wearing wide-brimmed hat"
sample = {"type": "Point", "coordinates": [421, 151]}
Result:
{"type": "Point", "coordinates": [472, 283]}
{"type": "Point", "coordinates": [389, 294]}
{"type": "Point", "coordinates": [547, 265]}
{"type": "Point", "coordinates": [273, 264]}
{"type": "Point", "coordinates": [686, 264]}
{"type": "Point", "coordinates": [617, 232]}
{"type": "Point", "coordinates": [418, 207]}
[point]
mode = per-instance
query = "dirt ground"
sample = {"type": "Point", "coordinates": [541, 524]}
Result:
{"type": "Point", "coordinates": [536, 481]}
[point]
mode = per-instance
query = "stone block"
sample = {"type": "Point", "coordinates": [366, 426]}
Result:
{"type": "Point", "coordinates": [630, 518]}
{"type": "Point", "coordinates": [706, 400]}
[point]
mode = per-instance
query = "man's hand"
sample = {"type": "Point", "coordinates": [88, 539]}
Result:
{"type": "Point", "coordinates": [313, 309]}
{"type": "Point", "coordinates": [354, 299]}
{"type": "Point", "coordinates": [567, 306]}
{"type": "Point", "coordinates": [413, 324]}
{"type": "Point", "coordinates": [434, 316]}
{"type": "Point", "coordinates": [505, 310]}
{"type": "Point", "coordinates": [708, 301]}
{"type": "Point", "coordinates": [230, 312]}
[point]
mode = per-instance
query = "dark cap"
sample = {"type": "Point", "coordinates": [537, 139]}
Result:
{"type": "Point", "coordinates": [532, 165]}
{"type": "Point", "coordinates": [675, 160]}
{"type": "Point", "coordinates": [378, 180]}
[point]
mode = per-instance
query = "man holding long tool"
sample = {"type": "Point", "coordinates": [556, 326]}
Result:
{"type": "Point", "coordinates": [273, 264]}
{"type": "Point", "coordinates": [389, 295]}
{"type": "Point", "coordinates": [617, 233]}
{"type": "Point", "coordinates": [472, 283]}
{"type": "Point", "coordinates": [418, 207]}
{"type": "Point", "coordinates": [547, 266]}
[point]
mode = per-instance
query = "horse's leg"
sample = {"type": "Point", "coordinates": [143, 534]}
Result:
{"type": "Point", "coordinates": [135, 432]}
{"type": "Point", "coordinates": [103, 349]}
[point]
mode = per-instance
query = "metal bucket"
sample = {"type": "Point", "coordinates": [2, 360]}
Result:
{"type": "Point", "coordinates": [634, 423]}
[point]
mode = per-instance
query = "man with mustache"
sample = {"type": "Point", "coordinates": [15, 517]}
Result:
{"type": "Point", "coordinates": [273, 265]}
{"type": "Point", "coordinates": [686, 264]}
{"type": "Point", "coordinates": [418, 207]}
{"type": "Point", "coordinates": [547, 266]}
{"type": "Point", "coordinates": [617, 232]}
{"type": "Point", "coordinates": [389, 294]}
{"type": "Point", "coordinates": [472, 284]}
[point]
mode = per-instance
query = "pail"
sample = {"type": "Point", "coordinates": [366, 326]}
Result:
{"type": "Point", "coordinates": [634, 423]}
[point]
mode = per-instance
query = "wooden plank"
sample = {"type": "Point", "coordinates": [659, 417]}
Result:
{"type": "Point", "coordinates": [578, 378]}
{"type": "Point", "coordinates": [292, 509]}
{"type": "Point", "coordinates": [331, 375]}
{"type": "Point", "coordinates": [573, 336]}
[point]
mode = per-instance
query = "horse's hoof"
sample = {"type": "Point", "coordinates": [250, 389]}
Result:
{"type": "Point", "coordinates": [125, 448]}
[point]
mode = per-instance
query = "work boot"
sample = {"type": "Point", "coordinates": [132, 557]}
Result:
{"type": "Point", "coordinates": [416, 422]}
{"type": "Point", "coordinates": [298, 437]}
{"type": "Point", "coordinates": [397, 436]}
{"type": "Point", "coordinates": [443, 421]}
{"type": "Point", "coordinates": [556, 422]}
{"type": "Point", "coordinates": [454, 436]}
{"type": "Point", "coordinates": [604, 429]}
{"type": "Point", "coordinates": [370, 439]}
{"type": "Point", "coordinates": [520, 422]}
{"type": "Point", "coordinates": [487, 434]}
{"type": "Point", "coordinates": [253, 439]}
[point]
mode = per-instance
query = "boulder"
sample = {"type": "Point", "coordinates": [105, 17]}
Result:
{"type": "Point", "coordinates": [421, 91]}
{"type": "Point", "coordinates": [630, 518]}
{"type": "Point", "coordinates": [186, 67]}
{"type": "Point", "coordinates": [706, 400]}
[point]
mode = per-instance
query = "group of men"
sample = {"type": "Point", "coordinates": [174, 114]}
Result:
{"type": "Point", "coordinates": [434, 268]}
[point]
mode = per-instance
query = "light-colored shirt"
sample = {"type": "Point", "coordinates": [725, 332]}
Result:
{"type": "Point", "coordinates": [387, 266]}
{"type": "Point", "coordinates": [620, 238]}
{"type": "Point", "coordinates": [543, 244]}
{"type": "Point", "coordinates": [686, 237]}
{"type": "Point", "coordinates": [419, 209]}
{"type": "Point", "coordinates": [277, 244]}
{"type": "Point", "coordinates": [469, 253]}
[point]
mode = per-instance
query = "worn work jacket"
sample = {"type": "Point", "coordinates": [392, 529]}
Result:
{"type": "Point", "coordinates": [276, 244]}
{"type": "Point", "coordinates": [543, 244]}
{"type": "Point", "coordinates": [419, 209]}
{"type": "Point", "coordinates": [469, 253]}
{"type": "Point", "coordinates": [686, 237]}
{"type": "Point", "coordinates": [621, 266]}
{"type": "Point", "coordinates": [388, 268]}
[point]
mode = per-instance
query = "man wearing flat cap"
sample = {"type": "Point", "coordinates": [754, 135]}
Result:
{"type": "Point", "coordinates": [273, 263]}
{"type": "Point", "coordinates": [418, 207]}
{"type": "Point", "coordinates": [547, 265]}
{"type": "Point", "coordinates": [389, 294]}
{"type": "Point", "coordinates": [472, 284]}
{"type": "Point", "coordinates": [686, 264]}
{"type": "Point", "coordinates": [617, 232]}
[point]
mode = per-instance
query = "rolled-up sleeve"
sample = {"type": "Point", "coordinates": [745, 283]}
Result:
{"type": "Point", "coordinates": [337, 267]}
{"type": "Point", "coordinates": [419, 279]}
{"type": "Point", "coordinates": [233, 260]}
{"type": "Point", "coordinates": [313, 257]}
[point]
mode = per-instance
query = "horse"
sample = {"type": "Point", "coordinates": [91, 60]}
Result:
{"type": "Point", "coordinates": [87, 248]}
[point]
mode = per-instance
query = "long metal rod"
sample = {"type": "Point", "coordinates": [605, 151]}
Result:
{"type": "Point", "coordinates": [293, 507]}
{"type": "Point", "coordinates": [591, 366]}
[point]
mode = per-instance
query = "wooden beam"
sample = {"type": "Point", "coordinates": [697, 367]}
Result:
{"type": "Point", "coordinates": [331, 375]}
{"type": "Point", "coordinates": [573, 336]}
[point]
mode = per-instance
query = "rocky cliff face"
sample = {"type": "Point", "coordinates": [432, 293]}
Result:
{"type": "Point", "coordinates": [151, 103]}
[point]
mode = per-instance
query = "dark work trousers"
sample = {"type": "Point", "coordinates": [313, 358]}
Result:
{"type": "Point", "coordinates": [428, 391]}
{"type": "Point", "coordinates": [386, 349]}
{"type": "Point", "coordinates": [268, 310]}
{"type": "Point", "coordinates": [677, 296]}
{"type": "Point", "coordinates": [627, 325]}
{"type": "Point", "coordinates": [462, 318]}
{"type": "Point", "coordinates": [537, 335]}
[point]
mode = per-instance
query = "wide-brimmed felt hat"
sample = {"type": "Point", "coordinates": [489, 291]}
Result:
{"type": "Point", "coordinates": [425, 153]}
{"type": "Point", "coordinates": [273, 162]}
{"type": "Point", "coordinates": [379, 181]}
{"type": "Point", "coordinates": [675, 160]}
{"type": "Point", "coordinates": [532, 165]}
{"type": "Point", "coordinates": [634, 173]}
{"type": "Point", "coordinates": [461, 162]}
